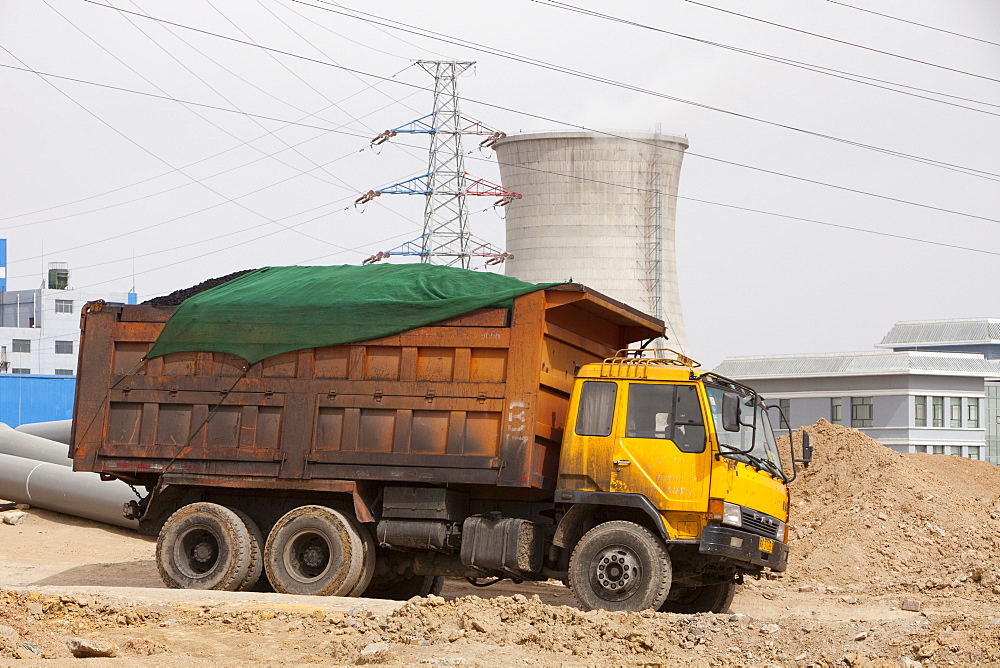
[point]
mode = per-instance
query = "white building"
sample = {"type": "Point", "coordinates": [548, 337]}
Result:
{"type": "Point", "coordinates": [40, 328]}
{"type": "Point", "coordinates": [933, 388]}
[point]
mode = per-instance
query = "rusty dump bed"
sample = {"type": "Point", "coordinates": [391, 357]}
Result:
{"type": "Point", "coordinates": [478, 399]}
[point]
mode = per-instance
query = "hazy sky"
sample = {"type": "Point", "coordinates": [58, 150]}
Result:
{"type": "Point", "coordinates": [132, 189]}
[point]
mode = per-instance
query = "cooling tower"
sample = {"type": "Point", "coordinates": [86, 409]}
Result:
{"type": "Point", "coordinates": [598, 209]}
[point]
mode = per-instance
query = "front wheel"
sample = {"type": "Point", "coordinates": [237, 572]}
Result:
{"type": "Point", "coordinates": [620, 566]}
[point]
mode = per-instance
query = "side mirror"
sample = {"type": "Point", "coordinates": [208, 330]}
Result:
{"type": "Point", "coordinates": [807, 449]}
{"type": "Point", "coordinates": [730, 411]}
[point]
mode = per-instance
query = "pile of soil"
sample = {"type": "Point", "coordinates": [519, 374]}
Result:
{"type": "Point", "coordinates": [506, 630]}
{"type": "Point", "coordinates": [178, 296]}
{"type": "Point", "coordinates": [875, 520]}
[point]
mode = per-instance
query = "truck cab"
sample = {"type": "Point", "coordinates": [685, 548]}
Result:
{"type": "Point", "coordinates": [695, 453]}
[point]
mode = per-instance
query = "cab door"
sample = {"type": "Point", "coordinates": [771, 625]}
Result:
{"type": "Point", "coordinates": [661, 449]}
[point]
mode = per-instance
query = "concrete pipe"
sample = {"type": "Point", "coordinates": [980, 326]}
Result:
{"type": "Point", "coordinates": [59, 488]}
{"type": "Point", "coordinates": [58, 430]}
{"type": "Point", "coordinates": [19, 444]}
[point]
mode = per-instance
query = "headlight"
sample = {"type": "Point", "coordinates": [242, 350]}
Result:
{"type": "Point", "coordinates": [732, 514]}
{"type": "Point", "coordinates": [780, 532]}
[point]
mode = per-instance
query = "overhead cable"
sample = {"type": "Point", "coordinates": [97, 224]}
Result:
{"type": "Point", "coordinates": [430, 34]}
{"type": "Point", "coordinates": [840, 41]}
{"type": "Point", "coordinates": [914, 23]}
{"type": "Point", "coordinates": [819, 69]}
{"type": "Point", "coordinates": [579, 127]}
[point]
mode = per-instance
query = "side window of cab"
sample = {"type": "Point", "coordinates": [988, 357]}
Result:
{"type": "Point", "coordinates": [669, 412]}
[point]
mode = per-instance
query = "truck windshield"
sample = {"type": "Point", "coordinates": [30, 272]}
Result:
{"type": "Point", "coordinates": [765, 449]}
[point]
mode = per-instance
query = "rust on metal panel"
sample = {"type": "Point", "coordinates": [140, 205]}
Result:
{"type": "Point", "coordinates": [478, 399]}
{"type": "Point", "coordinates": [360, 492]}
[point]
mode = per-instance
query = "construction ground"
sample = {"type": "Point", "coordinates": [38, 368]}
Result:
{"type": "Point", "coordinates": [895, 560]}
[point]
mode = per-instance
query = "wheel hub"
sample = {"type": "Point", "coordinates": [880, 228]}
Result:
{"type": "Point", "coordinates": [617, 572]}
{"type": "Point", "coordinates": [313, 556]}
{"type": "Point", "coordinates": [203, 552]}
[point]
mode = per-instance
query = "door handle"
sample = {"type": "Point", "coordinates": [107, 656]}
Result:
{"type": "Point", "coordinates": [621, 462]}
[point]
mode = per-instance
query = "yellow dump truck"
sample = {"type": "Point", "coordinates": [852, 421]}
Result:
{"type": "Point", "coordinates": [370, 430]}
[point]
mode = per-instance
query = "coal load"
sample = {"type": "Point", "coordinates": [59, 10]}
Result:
{"type": "Point", "coordinates": [178, 296]}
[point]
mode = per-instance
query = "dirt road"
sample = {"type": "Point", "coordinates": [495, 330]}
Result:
{"type": "Point", "coordinates": [875, 532]}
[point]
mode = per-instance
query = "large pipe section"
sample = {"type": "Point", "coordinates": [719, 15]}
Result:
{"type": "Point", "coordinates": [28, 446]}
{"type": "Point", "coordinates": [58, 430]}
{"type": "Point", "coordinates": [58, 488]}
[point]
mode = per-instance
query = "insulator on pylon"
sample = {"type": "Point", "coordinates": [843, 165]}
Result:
{"type": "Point", "coordinates": [381, 255]}
{"type": "Point", "coordinates": [507, 199]}
{"type": "Point", "coordinates": [383, 137]}
{"type": "Point", "coordinates": [492, 139]}
{"type": "Point", "coordinates": [500, 259]}
{"type": "Point", "coordinates": [367, 197]}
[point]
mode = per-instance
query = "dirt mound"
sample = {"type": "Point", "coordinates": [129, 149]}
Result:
{"type": "Point", "coordinates": [871, 519]}
{"type": "Point", "coordinates": [178, 296]}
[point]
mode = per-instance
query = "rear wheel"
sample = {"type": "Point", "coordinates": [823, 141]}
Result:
{"type": "Point", "coordinates": [368, 557]}
{"type": "Point", "coordinates": [620, 566]}
{"type": "Point", "coordinates": [716, 597]}
{"type": "Point", "coordinates": [204, 546]}
{"type": "Point", "coordinates": [256, 552]}
{"type": "Point", "coordinates": [315, 550]}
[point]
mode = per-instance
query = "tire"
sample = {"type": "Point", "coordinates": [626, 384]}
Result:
{"type": "Point", "coordinates": [256, 552]}
{"type": "Point", "coordinates": [368, 551]}
{"type": "Point", "coordinates": [620, 566]}
{"type": "Point", "coordinates": [314, 551]}
{"type": "Point", "coordinates": [204, 546]}
{"type": "Point", "coordinates": [716, 597]}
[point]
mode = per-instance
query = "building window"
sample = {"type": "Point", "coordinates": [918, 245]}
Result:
{"type": "Point", "coordinates": [64, 306]}
{"type": "Point", "coordinates": [861, 412]}
{"type": "Point", "coordinates": [920, 413]}
{"type": "Point", "coordinates": [64, 372]}
{"type": "Point", "coordinates": [955, 450]}
{"type": "Point", "coordinates": [937, 411]}
{"type": "Point", "coordinates": [955, 412]}
{"type": "Point", "coordinates": [973, 414]}
{"type": "Point", "coordinates": [938, 449]}
{"type": "Point", "coordinates": [920, 448]}
{"type": "Point", "coordinates": [786, 407]}
{"type": "Point", "coordinates": [973, 452]}
{"type": "Point", "coordinates": [20, 346]}
{"type": "Point", "coordinates": [836, 417]}
{"type": "Point", "coordinates": [19, 370]}
{"type": "Point", "coordinates": [64, 347]}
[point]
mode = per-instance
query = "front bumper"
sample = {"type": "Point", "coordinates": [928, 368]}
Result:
{"type": "Point", "coordinates": [743, 546]}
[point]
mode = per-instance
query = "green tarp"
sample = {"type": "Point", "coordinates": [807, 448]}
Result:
{"type": "Point", "coordinates": [279, 309]}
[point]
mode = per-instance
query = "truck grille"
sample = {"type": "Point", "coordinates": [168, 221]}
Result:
{"type": "Point", "coordinates": [759, 523]}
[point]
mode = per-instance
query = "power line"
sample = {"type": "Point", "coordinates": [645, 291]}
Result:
{"type": "Point", "coordinates": [564, 70]}
{"type": "Point", "coordinates": [148, 151]}
{"type": "Point", "coordinates": [568, 124]}
{"type": "Point", "coordinates": [231, 103]}
{"type": "Point", "coordinates": [752, 210]}
{"type": "Point", "coordinates": [819, 69]}
{"type": "Point", "coordinates": [840, 41]}
{"type": "Point", "coordinates": [167, 190]}
{"type": "Point", "coordinates": [914, 23]}
{"type": "Point", "coordinates": [611, 82]}
{"type": "Point", "coordinates": [360, 43]}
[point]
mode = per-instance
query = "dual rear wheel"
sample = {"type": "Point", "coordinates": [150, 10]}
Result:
{"type": "Point", "coordinates": [311, 550]}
